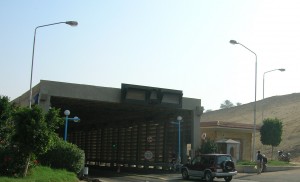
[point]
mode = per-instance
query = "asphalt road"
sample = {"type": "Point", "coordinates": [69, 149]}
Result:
{"type": "Point", "coordinates": [112, 176]}
{"type": "Point", "coordinates": [279, 176]}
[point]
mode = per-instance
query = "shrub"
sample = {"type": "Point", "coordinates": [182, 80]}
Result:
{"type": "Point", "coordinates": [6, 123]}
{"type": "Point", "coordinates": [11, 162]}
{"type": "Point", "coordinates": [208, 146]}
{"type": "Point", "coordinates": [64, 155]}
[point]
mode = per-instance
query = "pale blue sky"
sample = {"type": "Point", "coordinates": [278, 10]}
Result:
{"type": "Point", "coordinates": [175, 44]}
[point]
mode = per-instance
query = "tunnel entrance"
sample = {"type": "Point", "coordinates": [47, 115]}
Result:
{"type": "Point", "coordinates": [126, 134]}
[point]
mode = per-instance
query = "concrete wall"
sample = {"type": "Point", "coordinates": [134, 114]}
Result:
{"type": "Point", "coordinates": [197, 111]}
{"type": "Point", "coordinates": [46, 89]}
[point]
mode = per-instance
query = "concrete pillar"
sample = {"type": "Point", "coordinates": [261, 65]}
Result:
{"type": "Point", "coordinates": [196, 135]}
{"type": "Point", "coordinates": [44, 101]}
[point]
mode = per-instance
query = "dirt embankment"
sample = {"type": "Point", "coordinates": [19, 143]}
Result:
{"type": "Point", "coordinates": [285, 107]}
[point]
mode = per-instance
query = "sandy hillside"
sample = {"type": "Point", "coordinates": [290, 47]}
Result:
{"type": "Point", "coordinates": [285, 108]}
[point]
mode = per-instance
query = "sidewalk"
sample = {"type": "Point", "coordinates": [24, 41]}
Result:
{"type": "Point", "coordinates": [251, 169]}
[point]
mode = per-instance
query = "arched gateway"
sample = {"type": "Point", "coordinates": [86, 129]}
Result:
{"type": "Point", "coordinates": [131, 126]}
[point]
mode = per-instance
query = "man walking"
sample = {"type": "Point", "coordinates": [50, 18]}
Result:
{"type": "Point", "coordinates": [259, 160]}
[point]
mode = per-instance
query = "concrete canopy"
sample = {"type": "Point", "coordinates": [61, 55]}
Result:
{"type": "Point", "coordinates": [230, 141]}
{"type": "Point", "coordinates": [122, 117]}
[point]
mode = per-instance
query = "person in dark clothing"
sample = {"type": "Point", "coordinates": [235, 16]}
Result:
{"type": "Point", "coordinates": [259, 161]}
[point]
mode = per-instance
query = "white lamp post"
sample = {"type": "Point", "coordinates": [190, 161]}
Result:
{"type": "Point", "coordinates": [281, 69]}
{"type": "Point", "coordinates": [254, 122]}
{"type": "Point", "coordinates": [75, 119]}
{"type": "Point", "coordinates": [71, 23]}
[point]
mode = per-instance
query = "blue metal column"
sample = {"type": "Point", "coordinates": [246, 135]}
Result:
{"type": "Point", "coordinates": [179, 152]}
{"type": "Point", "coordinates": [66, 128]}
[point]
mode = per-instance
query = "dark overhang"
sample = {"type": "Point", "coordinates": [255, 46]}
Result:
{"type": "Point", "coordinates": [144, 95]}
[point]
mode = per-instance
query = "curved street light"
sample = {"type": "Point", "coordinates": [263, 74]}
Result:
{"type": "Point", "coordinates": [75, 119]}
{"type": "Point", "coordinates": [71, 23]}
{"type": "Point", "coordinates": [281, 69]}
{"type": "Point", "coordinates": [254, 113]}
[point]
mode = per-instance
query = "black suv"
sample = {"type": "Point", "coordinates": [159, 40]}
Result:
{"type": "Point", "coordinates": [209, 166]}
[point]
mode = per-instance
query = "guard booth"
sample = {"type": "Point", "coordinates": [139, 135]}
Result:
{"type": "Point", "coordinates": [229, 146]}
{"type": "Point", "coordinates": [129, 127]}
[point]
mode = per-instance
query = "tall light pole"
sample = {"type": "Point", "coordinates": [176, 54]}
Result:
{"type": "Point", "coordinates": [179, 120]}
{"type": "Point", "coordinates": [71, 23]}
{"type": "Point", "coordinates": [281, 69]}
{"type": "Point", "coordinates": [254, 113]}
{"type": "Point", "coordinates": [75, 119]}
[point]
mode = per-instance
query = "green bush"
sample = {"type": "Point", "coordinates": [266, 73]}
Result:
{"type": "Point", "coordinates": [270, 163]}
{"type": "Point", "coordinates": [246, 163]}
{"type": "Point", "coordinates": [64, 155]}
{"type": "Point", "coordinates": [208, 146]}
{"type": "Point", "coordinates": [11, 161]}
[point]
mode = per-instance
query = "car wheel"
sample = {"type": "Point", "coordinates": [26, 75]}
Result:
{"type": "Point", "coordinates": [185, 174]}
{"type": "Point", "coordinates": [228, 178]}
{"type": "Point", "coordinates": [228, 166]}
{"type": "Point", "coordinates": [208, 177]}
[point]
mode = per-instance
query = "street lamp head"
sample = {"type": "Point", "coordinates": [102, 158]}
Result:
{"type": "Point", "coordinates": [233, 42]}
{"type": "Point", "coordinates": [76, 119]}
{"type": "Point", "coordinates": [72, 23]}
{"type": "Point", "coordinates": [281, 69]}
{"type": "Point", "coordinates": [67, 112]}
{"type": "Point", "coordinates": [179, 118]}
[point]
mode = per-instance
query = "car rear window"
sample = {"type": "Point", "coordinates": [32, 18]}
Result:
{"type": "Point", "coordinates": [223, 158]}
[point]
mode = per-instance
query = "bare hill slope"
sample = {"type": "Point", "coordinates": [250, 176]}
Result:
{"type": "Point", "coordinates": [285, 108]}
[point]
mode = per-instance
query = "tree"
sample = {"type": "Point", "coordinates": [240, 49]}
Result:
{"type": "Point", "coordinates": [271, 132]}
{"type": "Point", "coordinates": [238, 104]}
{"type": "Point", "coordinates": [54, 121]}
{"type": "Point", "coordinates": [34, 132]}
{"type": "Point", "coordinates": [6, 124]}
{"type": "Point", "coordinates": [208, 146]}
{"type": "Point", "coordinates": [226, 104]}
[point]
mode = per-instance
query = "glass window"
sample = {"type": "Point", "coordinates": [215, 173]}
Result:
{"type": "Point", "coordinates": [223, 158]}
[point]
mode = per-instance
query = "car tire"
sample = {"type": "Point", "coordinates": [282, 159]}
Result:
{"type": "Point", "coordinates": [228, 178]}
{"type": "Point", "coordinates": [185, 174]}
{"type": "Point", "coordinates": [208, 177]}
{"type": "Point", "coordinates": [228, 166]}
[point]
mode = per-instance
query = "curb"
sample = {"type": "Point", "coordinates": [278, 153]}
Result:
{"type": "Point", "coordinates": [251, 169]}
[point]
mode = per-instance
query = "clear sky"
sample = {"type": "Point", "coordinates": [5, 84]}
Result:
{"type": "Point", "coordinates": [174, 44]}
